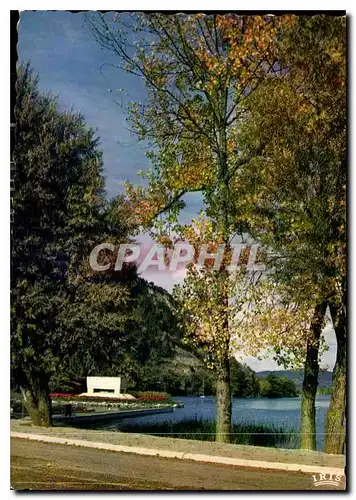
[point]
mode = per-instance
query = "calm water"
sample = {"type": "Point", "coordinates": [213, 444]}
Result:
{"type": "Point", "coordinates": [283, 412]}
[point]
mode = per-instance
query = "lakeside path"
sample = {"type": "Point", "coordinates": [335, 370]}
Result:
{"type": "Point", "coordinates": [184, 446]}
{"type": "Point", "coordinates": [46, 466]}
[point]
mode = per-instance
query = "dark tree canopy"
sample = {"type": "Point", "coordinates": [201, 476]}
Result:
{"type": "Point", "coordinates": [68, 321]}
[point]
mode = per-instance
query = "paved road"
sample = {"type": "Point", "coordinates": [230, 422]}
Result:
{"type": "Point", "coordinates": [44, 466]}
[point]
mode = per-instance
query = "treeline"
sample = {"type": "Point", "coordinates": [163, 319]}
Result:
{"type": "Point", "coordinates": [198, 381]}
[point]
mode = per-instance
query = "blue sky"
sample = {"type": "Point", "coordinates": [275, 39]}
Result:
{"type": "Point", "coordinates": [64, 53]}
{"type": "Point", "coordinates": [67, 58]}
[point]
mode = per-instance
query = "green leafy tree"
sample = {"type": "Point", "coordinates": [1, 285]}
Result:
{"type": "Point", "coordinates": [244, 382]}
{"type": "Point", "coordinates": [277, 387]}
{"type": "Point", "coordinates": [264, 387]}
{"type": "Point", "coordinates": [68, 321]}
{"type": "Point", "coordinates": [56, 202]}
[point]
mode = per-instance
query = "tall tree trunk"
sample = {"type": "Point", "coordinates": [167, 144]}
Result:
{"type": "Point", "coordinates": [335, 432]}
{"type": "Point", "coordinates": [310, 382]}
{"type": "Point", "coordinates": [37, 401]}
{"type": "Point", "coordinates": [223, 388]}
{"type": "Point", "coordinates": [223, 402]}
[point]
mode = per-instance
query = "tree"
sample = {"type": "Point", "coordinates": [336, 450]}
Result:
{"type": "Point", "coordinates": [204, 310]}
{"type": "Point", "coordinates": [244, 382]}
{"type": "Point", "coordinates": [335, 432]}
{"type": "Point", "coordinates": [68, 320]}
{"type": "Point", "coordinates": [284, 326]}
{"type": "Point", "coordinates": [297, 207]}
{"type": "Point", "coordinates": [196, 74]}
{"type": "Point", "coordinates": [274, 389]}
{"type": "Point", "coordinates": [56, 201]}
{"type": "Point", "coordinates": [288, 387]}
{"type": "Point", "coordinates": [277, 387]}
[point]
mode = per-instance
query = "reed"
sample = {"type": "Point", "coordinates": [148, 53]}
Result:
{"type": "Point", "coordinates": [246, 433]}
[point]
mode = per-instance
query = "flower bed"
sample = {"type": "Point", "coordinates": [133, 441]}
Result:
{"type": "Point", "coordinates": [144, 400]}
{"type": "Point", "coordinates": [151, 395]}
{"type": "Point", "coordinates": [63, 395]}
{"type": "Point", "coordinates": [142, 396]}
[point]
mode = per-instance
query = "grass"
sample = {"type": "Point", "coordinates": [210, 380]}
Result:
{"type": "Point", "coordinates": [242, 433]}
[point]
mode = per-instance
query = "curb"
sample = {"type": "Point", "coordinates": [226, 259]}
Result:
{"type": "Point", "coordinates": [181, 455]}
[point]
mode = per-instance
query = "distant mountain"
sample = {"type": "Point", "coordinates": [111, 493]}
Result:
{"type": "Point", "coordinates": [325, 377]}
{"type": "Point", "coordinates": [184, 362]}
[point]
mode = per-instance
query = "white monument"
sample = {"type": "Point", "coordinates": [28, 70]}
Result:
{"type": "Point", "coordinates": [113, 387]}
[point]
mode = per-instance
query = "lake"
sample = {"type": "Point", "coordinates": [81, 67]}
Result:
{"type": "Point", "coordinates": [281, 412]}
